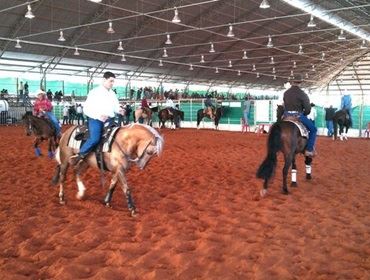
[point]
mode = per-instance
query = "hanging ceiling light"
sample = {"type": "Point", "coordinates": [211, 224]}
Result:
{"type": "Point", "coordinates": [110, 29]}
{"type": "Point", "coordinates": [29, 13]}
{"type": "Point", "coordinates": [160, 63]}
{"type": "Point", "coordinates": [274, 78]}
{"type": "Point", "coordinates": [265, 4]}
{"type": "Point", "coordinates": [212, 49]}
{"type": "Point", "coordinates": [191, 67]}
{"type": "Point", "coordinates": [322, 56]}
{"type": "Point", "coordinates": [254, 67]}
{"type": "Point", "coordinates": [306, 76]}
{"type": "Point", "coordinates": [300, 51]}
{"type": "Point", "coordinates": [168, 41]}
{"type": "Point", "coordinates": [311, 23]}
{"type": "Point", "coordinates": [272, 61]}
{"type": "Point", "coordinates": [201, 59]}
{"type": "Point", "coordinates": [176, 18]}
{"type": "Point", "coordinates": [363, 45]}
{"type": "Point", "coordinates": [217, 70]}
{"type": "Point", "coordinates": [76, 51]}
{"type": "Point", "coordinates": [230, 64]}
{"type": "Point", "coordinates": [230, 33]}
{"type": "Point", "coordinates": [273, 70]}
{"type": "Point", "coordinates": [239, 73]}
{"type": "Point", "coordinates": [123, 58]}
{"type": "Point", "coordinates": [341, 35]}
{"type": "Point", "coordinates": [164, 53]}
{"type": "Point", "coordinates": [341, 60]}
{"type": "Point", "coordinates": [291, 73]}
{"type": "Point", "coordinates": [313, 68]}
{"type": "Point", "coordinates": [294, 64]}
{"type": "Point", "coordinates": [244, 55]}
{"type": "Point", "coordinates": [61, 36]}
{"type": "Point", "coordinates": [95, 1]}
{"type": "Point", "coordinates": [258, 75]}
{"type": "Point", "coordinates": [18, 44]}
{"type": "Point", "coordinates": [120, 47]}
{"type": "Point", "coordinates": [269, 43]}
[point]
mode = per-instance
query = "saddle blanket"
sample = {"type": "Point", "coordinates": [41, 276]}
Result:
{"type": "Point", "coordinates": [302, 129]}
{"type": "Point", "coordinates": [107, 143]}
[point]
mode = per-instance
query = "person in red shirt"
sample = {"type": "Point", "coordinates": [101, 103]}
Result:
{"type": "Point", "coordinates": [144, 103]}
{"type": "Point", "coordinates": [43, 107]}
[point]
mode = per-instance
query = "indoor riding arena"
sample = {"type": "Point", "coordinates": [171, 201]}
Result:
{"type": "Point", "coordinates": [205, 196]}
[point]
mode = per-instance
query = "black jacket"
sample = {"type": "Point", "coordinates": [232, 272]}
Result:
{"type": "Point", "coordinates": [296, 99]}
{"type": "Point", "coordinates": [329, 113]}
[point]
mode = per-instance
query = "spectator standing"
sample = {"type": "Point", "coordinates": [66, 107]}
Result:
{"type": "Point", "coordinates": [65, 114]}
{"type": "Point", "coordinates": [79, 114]}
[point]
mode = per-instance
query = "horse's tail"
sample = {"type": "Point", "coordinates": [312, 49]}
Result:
{"type": "Point", "coordinates": [267, 167]}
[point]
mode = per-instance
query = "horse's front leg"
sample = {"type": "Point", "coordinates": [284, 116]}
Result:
{"type": "Point", "coordinates": [112, 187]}
{"type": "Point", "coordinates": [79, 169]}
{"type": "Point", "coordinates": [36, 147]}
{"type": "Point", "coordinates": [308, 162]}
{"type": "Point", "coordinates": [293, 183]}
{"type": "Point", "coordinates": [126, 190]}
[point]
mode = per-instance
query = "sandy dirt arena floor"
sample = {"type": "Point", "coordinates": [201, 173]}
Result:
{"type": "Point", "coordinates": [200, 214]}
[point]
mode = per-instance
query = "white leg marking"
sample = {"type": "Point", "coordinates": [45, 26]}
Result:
{"type": "Point", "coordinates": [81, 189]}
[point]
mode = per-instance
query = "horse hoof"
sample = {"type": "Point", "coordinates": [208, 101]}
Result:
{"type": "Point", "coordinates": [79, 196]}
{"type": "Point", "coordinates": [108, 205]}
{"type": "Point", "coordinates": [62, 202]}
{"type": "Point", "coordinates": [285, 192]}
{"type": "Point", "coordinates": [263, 192]}
{"type": "Point", "coordinates": [294, 184]}
{"type": "Point", "coordinates": [308, 176]}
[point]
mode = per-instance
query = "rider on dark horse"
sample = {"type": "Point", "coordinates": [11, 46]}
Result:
{"type": "Point", "coordinates": [209, 107]}
{"type": "Point", "coordinates": [43, 108]}
{"type": "Point", "coordinates": [170, 106]}
{"type": "Point", "coordinates": [144, 105]}
{"type": "Point", "coordinates": [346, 104]}
{"type": "Point", "coordinates": [297, 103]}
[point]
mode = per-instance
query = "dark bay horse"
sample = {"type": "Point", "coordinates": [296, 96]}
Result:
{"type": "Point", "coordinates": [219, 111]}
{"type": "Point", "coordinates": [164, 115]}
{"type": "Point", "coordinates": [42, 129]}
{"type": "Point", "coordinates": [341, 119]}
{"type": "Point", "coordinates": [284, 136]}
{"type": "Point", "coordinates": [135, 143]}
{"type": "Point", "coordinates": [145, 114]}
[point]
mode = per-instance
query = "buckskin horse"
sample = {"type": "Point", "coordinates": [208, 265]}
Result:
{"type": "Point", "coordinates": [341, 119]}
{"type": "Point", "coordinates": [165, 115]}
{"type": "Point", "coordinates": [135, 143]}
{"type": "Point", "coordinates": [219, 111]}
{"type": "Point", "coordinates": [145, 114]}
{"type": "Point", "coordinates": [284, 136]}
{"type": "Point", "coordinates": [42, 129]}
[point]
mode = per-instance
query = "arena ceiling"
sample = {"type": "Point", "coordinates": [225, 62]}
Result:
{"type": "Point", "coordinates": [143, 27]}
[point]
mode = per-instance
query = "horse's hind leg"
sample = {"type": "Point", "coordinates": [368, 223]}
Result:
{"type": "Point", "coordinates": [293, 183]}
{"type": "Point", "coordinates": [287, 164]}
{"type": "Point", "coordinates": [126, 190]}
{"type": "Point", "coordinates": [51, 147]}
{"type": "Point", "coordinates": [308, 161]}
{"type": "Point", "coordinates": [79, 169]}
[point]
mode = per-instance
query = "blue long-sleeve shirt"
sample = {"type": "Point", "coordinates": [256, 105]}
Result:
{"type": "Point", "coordinates": [346, 102]}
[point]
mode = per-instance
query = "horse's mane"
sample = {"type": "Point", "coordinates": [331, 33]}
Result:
{"type": "Point", "coordinates": [159, 143]}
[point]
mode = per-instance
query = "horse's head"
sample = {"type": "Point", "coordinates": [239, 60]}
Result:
{"type": "Point", "coordinates": [26, 118]}
{"type": "Point", "coordinates": [279, 112]}
{"type": "Point", "coordinates": [140, 143]}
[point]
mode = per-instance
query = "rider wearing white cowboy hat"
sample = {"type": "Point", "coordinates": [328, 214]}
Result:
{"type": "Point", "coordinates": [297, 102]}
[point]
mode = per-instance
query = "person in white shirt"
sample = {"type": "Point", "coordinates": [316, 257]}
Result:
{"type": "Point", "coordinates": [100, 107]}
{"type": "Point", "coordinates": [65, 114]}
{"type": "Point", "coordinates": [170, 105]}
{"type": "Point", "coordinates": [312, 115]}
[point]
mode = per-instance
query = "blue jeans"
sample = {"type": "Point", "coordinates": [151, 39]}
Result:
{"type": "Point", "coordinates": [246, 116]}
{"type": "Point", "coordinates": [312, 131]}
{"type": "Point", "coordinates": [330, 127]}
{"type": "Point", "coordinates": [54, 121]}
{"type": "Point", "coordinates": [95, 130]}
